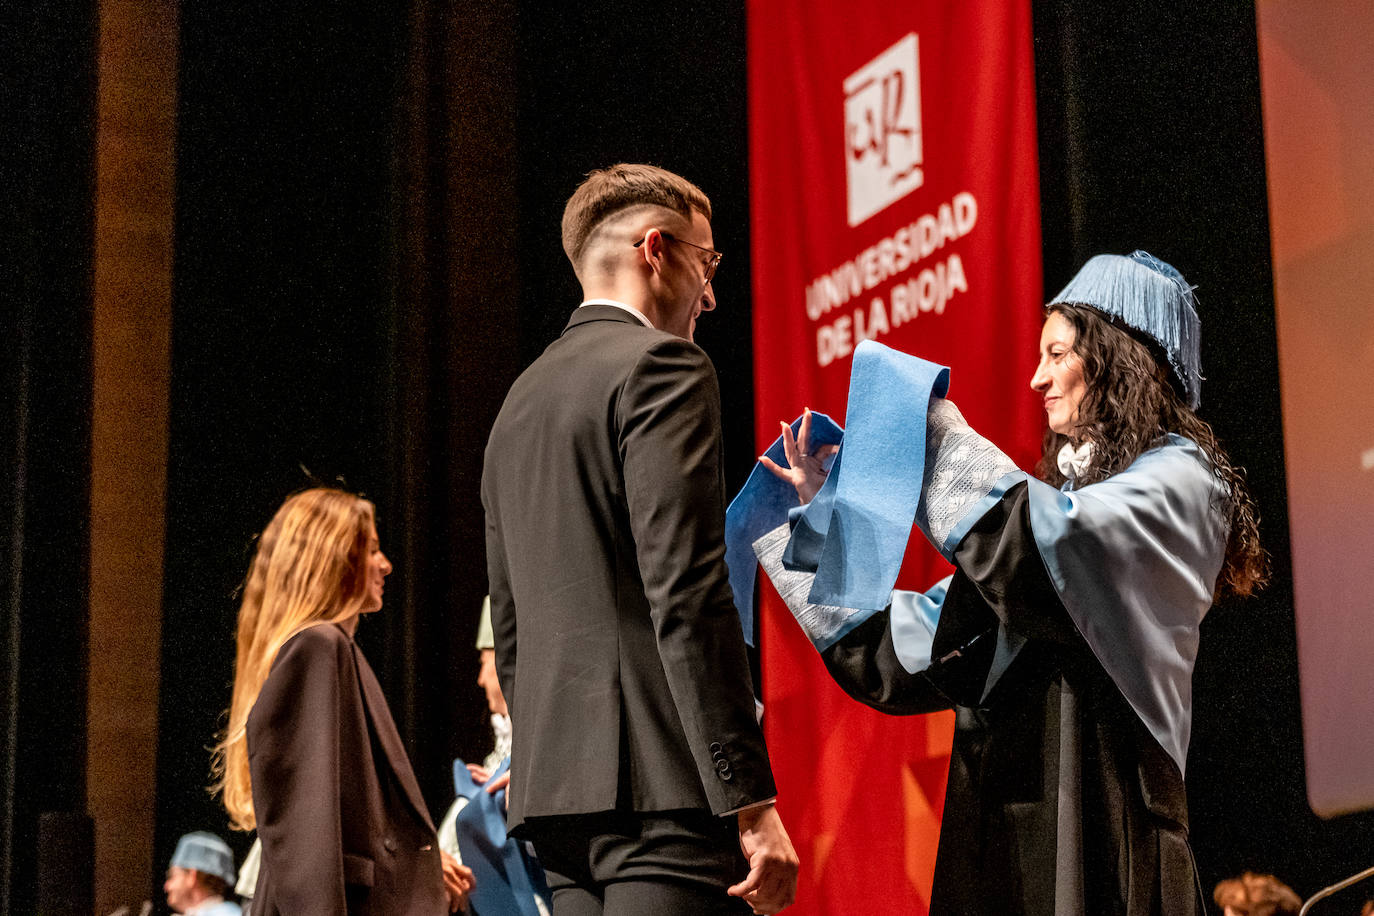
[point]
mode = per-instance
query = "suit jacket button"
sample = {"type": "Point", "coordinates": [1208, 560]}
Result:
{"type": "Point", "coordinates": [715, 748]}
{"type": "Point", "coordinates": [389, 843]}
{"type": "Point", "coordinates": [726, 774]}
{"type": "Point", "coordinates": [722, 765]}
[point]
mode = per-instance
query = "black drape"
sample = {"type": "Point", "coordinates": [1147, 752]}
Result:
{"type": "Point", "coordinates": [279, 357]}
{"type": "Point", "coordinates": [367, 253]}
{"type": "Point", "coordinates": [453, 323]}
{"type": "Point", "coordinates": [47, 131]}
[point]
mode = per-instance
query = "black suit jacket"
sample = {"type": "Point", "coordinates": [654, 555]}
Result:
{"type": "Point", "coordinates": [343, 826]}
{"type": "Point", "coordinates": [618, 646]}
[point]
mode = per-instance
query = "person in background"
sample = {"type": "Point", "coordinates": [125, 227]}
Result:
{"type": "Point", "coordinates": [311, 757]}
{"type": "Point", "coordinates": [491, 686]}
{"type": "Point", "coordinates": [514, 884]}
{"type": "Point", "coordinates": [247, 883]}
{"type": "Point", "coordinates": [1252, 894]}
{"type": "Point", "coordinates": [202, 870]}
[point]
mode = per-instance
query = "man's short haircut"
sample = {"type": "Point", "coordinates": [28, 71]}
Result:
{"type": "Point", "coordinates": [610, 190]}
{"type": "Point", "coordinates": [213, 885]}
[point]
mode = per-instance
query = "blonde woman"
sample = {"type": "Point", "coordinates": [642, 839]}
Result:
{"type": "Point", "coordinates": [311, 757]}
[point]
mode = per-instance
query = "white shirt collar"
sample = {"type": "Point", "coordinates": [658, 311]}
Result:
{"type": "Point", "coordinates": [620, 305]}
{"type": "Point", "coordinates": [1073, 462]}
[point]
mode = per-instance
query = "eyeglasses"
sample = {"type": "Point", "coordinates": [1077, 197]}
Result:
{"type": "Point", "coordinates": [711, 265]}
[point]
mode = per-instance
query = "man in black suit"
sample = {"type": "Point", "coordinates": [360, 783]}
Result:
{"type": "Point", "coordinates": [639, 771]}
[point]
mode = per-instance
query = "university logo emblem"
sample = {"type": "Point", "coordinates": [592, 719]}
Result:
{"type": "Point", "coordinates": [882, 130]}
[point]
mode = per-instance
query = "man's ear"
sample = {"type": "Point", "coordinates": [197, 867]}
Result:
{"type": "Point", "coordinates": [652, 249]}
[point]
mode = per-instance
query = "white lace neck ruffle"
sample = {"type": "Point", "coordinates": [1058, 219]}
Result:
{"type": "Point", "coordinates": [1074, 462]}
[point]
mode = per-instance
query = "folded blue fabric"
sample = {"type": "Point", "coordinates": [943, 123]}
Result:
{"type": "Point", "coordinates": [761, 506]}
{"type": "Point", "coordinates": [877, 481]}
{"type": "Point", "coordinates": [854, 533]}
{"type": "Point", "coordinates": [506, 879]}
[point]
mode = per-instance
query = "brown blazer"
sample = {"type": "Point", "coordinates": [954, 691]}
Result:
{"type": "Point", "coordinates": [343, 826]}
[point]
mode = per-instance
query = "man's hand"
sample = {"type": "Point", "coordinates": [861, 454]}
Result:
{"type": "Point", "coordinates": [458, 883]}
{"type": "Point", "coordinates": [806, 469]}
{"type": "Point", "coordinates": [772, 881]}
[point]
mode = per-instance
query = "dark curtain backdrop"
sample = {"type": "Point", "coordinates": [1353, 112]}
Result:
{"type": "Point", "coordinates": [367, 252]}
{"type": "Point", "coordinates": [618, 82]}
{"type": "Point", "coordinates": [454, 275]}
{"type": "Point", "coordinates": [280, 339]}
{"type": "Point", "coordinates": [47, 131]}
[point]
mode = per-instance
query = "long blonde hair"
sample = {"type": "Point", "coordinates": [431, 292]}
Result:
{"type": "Point", "coordinates": [309, 568]}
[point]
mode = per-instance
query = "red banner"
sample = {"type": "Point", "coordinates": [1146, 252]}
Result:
{"type": "Point", "coordinates": [894, 197]}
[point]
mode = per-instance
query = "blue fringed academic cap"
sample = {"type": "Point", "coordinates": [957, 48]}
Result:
{"type": "Point", "coordinates": [1151, 297]}
{"type": "Point", "coordinates": [206, 853]}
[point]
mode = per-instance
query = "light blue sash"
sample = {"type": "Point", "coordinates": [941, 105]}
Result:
{"type": "Point", "coordinates": [854, 533]}
{"type": "Point", "coordinates": [506, 879]}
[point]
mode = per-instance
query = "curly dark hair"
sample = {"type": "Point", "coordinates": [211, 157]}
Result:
{"type": "Point", "coordinates": [1132, 400]}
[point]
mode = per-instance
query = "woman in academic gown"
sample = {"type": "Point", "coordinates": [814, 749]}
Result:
{"type": "Point", "coordinates": [311, 757]}
{"type": "Point", "coordinates": [1065, 638]}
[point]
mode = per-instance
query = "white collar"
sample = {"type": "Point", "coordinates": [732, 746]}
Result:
{"type": "Point", "coordinates": [620, 305]}
{"type": "Point", "coordinates": [1074, 462]}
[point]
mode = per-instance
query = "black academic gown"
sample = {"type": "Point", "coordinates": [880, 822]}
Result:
{"type": "Point", "coordinates": [1059, 800]}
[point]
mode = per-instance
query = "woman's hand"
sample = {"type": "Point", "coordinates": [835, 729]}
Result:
{"type": "Point", "coordinates": [806, 468]}
{"type": "Point", "coordinates": [480, 776]}
{"type": "Point", "coordinates": [458, 883]}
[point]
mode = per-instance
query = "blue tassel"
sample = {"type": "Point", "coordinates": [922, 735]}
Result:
{"type": "Point", "coordinates": [1150, 296]}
